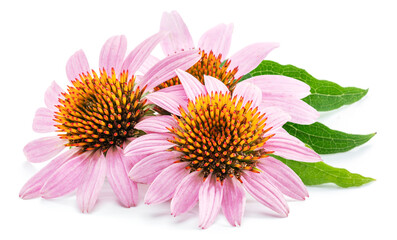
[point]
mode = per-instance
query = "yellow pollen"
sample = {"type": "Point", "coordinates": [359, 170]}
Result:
{"type": "Point", "coordinates": [97, 112]}
{"type": "Point", "coordinates": [209, 65]}
{"type": "Point", "coordinates": [228, 137]}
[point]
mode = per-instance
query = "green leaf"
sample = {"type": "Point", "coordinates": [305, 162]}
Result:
{"type": "Point", "coordinates": [320, 173]}
{"type": "Point", "coordinates": [324, 140]}
{"type": "Point", "coordinates": [325, 95]}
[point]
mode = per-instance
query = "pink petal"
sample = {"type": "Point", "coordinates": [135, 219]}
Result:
{"type": "Point", "coordinates": [94, 177]}
{"type": "Point", "coordinates": [139, 55]}
{"type": "Point", "coordinates": [186, 194]}
{"type": "Point", "coordinates": [67, 177]}
{"type": "Point", "coordinates": [112, 54]}
{"type": "Point", "coordinates": [283, 178]}
{"type": "Point", "coordinates": [249, 92]}
{"type": "Point", "coordinates": [163, 187]}
{"type": "Point", "coordinates": [156, 124]}
{"type": "Point", "coordinates": [43, 149]}
{"type": "Point", "coordinates": [210, 199]}
{"type": "Point", "coordinates": [280, 86]}
{"type": "Point", "coordinates": [233, 201]}
{"type": "Point", "coordinates": [149, 143]}
{"type": "Point", "coordinates": [265, 193]}
{"type": "Point", "coordinates": [299, 111]}
{"type": "Point", "coordinates": [138, 79]}
{"type": "Point", "coordinates": [276, 117]}
{"type": "Point", "coordinates": [146, 170]}
{"type": "Point", "coordinates": [192, 86]}
{"type": "Point", "coordinates": [165, 69]}
{"type": "Point", "coordinates": [217, 40]}
{"type": "Point", "coordinates": [282, 131]}
{"type": "Point", "coordinates": [52, 95]}
{"type": "Point", "coordinates": [249, 57]}
{"type": "Point", "coordinates": [288, 147]}
{"type": "Point", "coordinates": [76, 65]}
{"type": "Point", "coordinates": [42, 122]}
{"type": "Point", "coordinates": [130, 161]}
{"type": "Point", "coordinates": [179, 37]}
{"type": "Point", "coordinates": [214, 85]}
{"type": "Point", "coordinates": [177, 91]}
{"type": "Point", "coordinates": [32, 188]}
{"type": "Point", "coordinates": [168, 101]}
{"type": "Point", "coordinates": [125, 189]}
{"type": "Point", "coordinates": [148, 64]}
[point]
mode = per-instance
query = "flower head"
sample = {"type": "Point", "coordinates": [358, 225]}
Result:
{"type": "Point", "coordinates": [216, 143]}
{"type": "Point", "coordinates": [279, 91]}
{"type": "Point", "coordinates": [214, 46]}
{"type": "Point", "coordinates": [95, 118]}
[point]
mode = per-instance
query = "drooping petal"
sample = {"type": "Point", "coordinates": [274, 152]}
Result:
{"type": "Point", "coordinates": [233, 201]}
{"type": "Point", "coordinates": [165, 69]}
{"type": "Point", "coordinates": [287, 135]}
{"type": "Point", "coordinates": [156, 124]}
{"type": "Point", "coordinates": [249, 92]}
{"type": "Point", "coordinates": [51, 96]}
{"type": "Point", "coordinates": [149, 143]}
{"type": "Point", "coordinates": [210, 199]}
{"type": "Point", "coordinates": [148, 64]}
{"type": "Point", "coordinates": [140, 54]}
{"type": "Point", "coordinates": [192, 86]}
{"type": "Point", "coordinates": [214, 85]}
{"type": "Point", "coordinates": [163, 187]}
{"type": "Point", "coordinates": [217, 40]}
{"type": "Point", "coordinates": [288, 147]}
{"type": "Point", "coordinates": [276, 117]}
{"type": "Point", "coordinates": [32, 188]}
{"type": "Point", "coordinates": [265, 192]}
{"type": "Point", "coordinates": [42, 122]}
{"type": "Point", "coordinates": [112, 54]}
{"type": "Point", "coordinates": [280, 86]}
{"type": "Point", "coordinates": [94, 177]}
{"type": "Point", "coordinates": [146, 170]}
{"type": "Point", "coordinates": [179, 37]}
{"type": "Point", "coordinates": [299, 111]}
{"type": "Point", "coordinates": [43, 149]}
{"type": "Point", "coordinates": [177, 91]}
{"type": "Point", "coordinates": [67, 177]}
{"type": "Point", "coordinates": [282, 177]}
{"type": "Point", "coordinates": [123, 187]}
{"type": "Point", "coordinates": [249, 57]}
{"type": "Point", "coordinates": [130, 161]}
{"type": "Point", "coordinates": [186, 194]}
{"type": "Point", "coordinates": [76, 65]}
{"type": "Point", "coordinates": [168, 101]}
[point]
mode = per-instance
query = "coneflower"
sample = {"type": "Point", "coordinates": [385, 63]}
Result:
{"type": "Point", "coordinates": [93, 120]}
{"type": "Point", "coordinates": [216, 144]}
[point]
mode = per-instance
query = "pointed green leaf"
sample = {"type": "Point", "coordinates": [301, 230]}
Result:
{"type": "Point", "coordinates": [325, 95]}
{"type": "Point", "coordinates": [320, 173]}
{"type": "Point", "coordinates": [324, 140]}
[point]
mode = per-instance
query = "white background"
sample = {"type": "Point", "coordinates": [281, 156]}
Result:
{"type": "Point", "coordinates": [352, 43]}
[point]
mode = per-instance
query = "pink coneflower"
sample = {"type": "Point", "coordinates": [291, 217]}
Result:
{"type": "Point", "coordinates": [216, 144]}
{"type": "Point", "coordinates": [214, 45]}
{"type": "Point", "coordinates": [94, 118]}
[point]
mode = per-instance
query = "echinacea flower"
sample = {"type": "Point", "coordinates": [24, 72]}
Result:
{"type": "Point", "coordinates": [94, 118]}
{"type": "Point", "coordinates": [279, 91]}
{"type": "Point", "coordinates": [216, 144]}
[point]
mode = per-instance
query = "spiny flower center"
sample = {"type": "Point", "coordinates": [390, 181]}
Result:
{"type": "Point", "coordinates": [98, 112]}
{"type": "Point", "coordinates": [210, 65]}
{"type": "Point", "coordinates": [220, 135]}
